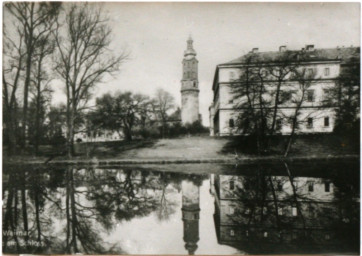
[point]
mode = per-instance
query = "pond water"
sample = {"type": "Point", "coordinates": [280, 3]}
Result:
{"type": "Point", "coordinates": [182, 209]}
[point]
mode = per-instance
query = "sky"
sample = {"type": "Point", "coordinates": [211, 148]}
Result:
{"type": "Point", "coordinates": [155, 35]}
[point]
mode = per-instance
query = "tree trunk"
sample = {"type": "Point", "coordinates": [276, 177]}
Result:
{"type": "Point", "coordinates": [291, 136]}
{"type": "Point", "coordinates": [8, 216]}
{"type": "Point", "coordinates": [29, 46]}
{"type": "Point", "coordinates": [24, 207]}
{"type": "Point", "coordinates": [37, 215]}
{"type": "Point", "coordinates": [127, 134]}
{"type": "Point", "coordinates": [73, 212]}
{"type": "Point", "coordinates": [67, 250]}
{"type": "Point", "coordinates": [38, 105]}
{"type": "Point", "coordinates": [295, 195]}
{"type": "Point", "coordinates": [11, 130]}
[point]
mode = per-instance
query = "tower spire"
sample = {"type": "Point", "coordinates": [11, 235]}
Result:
{"type": "Point", "coordinates": [189, 42]}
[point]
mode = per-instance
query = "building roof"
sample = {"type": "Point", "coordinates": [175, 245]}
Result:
{"type": "Point", "coordinates": [345, 54]}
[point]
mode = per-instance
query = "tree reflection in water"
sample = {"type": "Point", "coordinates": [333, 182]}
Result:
{"type": "Point", "coordinates": [263, 209]}
{"type": "Point", "coordinates": [269, 211]}
{"type": "Point", "coordinates": [50, 210]}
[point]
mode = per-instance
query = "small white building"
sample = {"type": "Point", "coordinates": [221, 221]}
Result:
{"type": "Point", "coordinates": [315, 116]}
{"type": "Point", "coordinates": [100, 135]}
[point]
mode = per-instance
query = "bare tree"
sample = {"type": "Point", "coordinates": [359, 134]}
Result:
{"type": "Point", "coordinates": [250, 90]}
{"type": "Point", "coordinates": [304, 80]}
{"type": "Point", "coordinates": [41, 82]}
{"type": "Point", "coordinates": [33, 21]}
{"type": "Point", "coordinates": [266, 86]}
{"type": "Point", "coordinates": [83, 59]}
{"type": "Point", "coordinates": [164, 102]}
{"type": "Point", "coordinates": [280, 71]}
{"type": "Point", "coordinates": [13, 65]}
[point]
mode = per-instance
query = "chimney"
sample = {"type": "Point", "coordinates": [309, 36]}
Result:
{"type": "Point", "coordinates": [309, 47]}
{"type": "Point", "coordinates": [255, 50]}
{"type": "Point", "coordinates": [282, 48]}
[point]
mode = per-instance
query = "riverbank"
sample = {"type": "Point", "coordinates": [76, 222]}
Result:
{"type": "Point", "coordinates": [201, 149]}
{"type": "Point", "coordinates": [235, 160]}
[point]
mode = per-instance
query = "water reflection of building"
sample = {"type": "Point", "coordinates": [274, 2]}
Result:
{"type": "Point", "coordinates": [190, 215]}
{"type": "Point", "coordinates": [275, 211]}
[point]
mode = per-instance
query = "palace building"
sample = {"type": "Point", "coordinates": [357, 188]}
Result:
{"type": "Point", "coordinates": [322, 68]}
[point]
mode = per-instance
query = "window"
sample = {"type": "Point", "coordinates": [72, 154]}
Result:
{"type": "Point", "coordinates": [280, 97]}
{"type": "Point", "coordinates": [310, 186]}
{"type": "Point", "coordinates": [310, 95]}
{"type": "Point", "coordinates": [231, 101]}
{"type": "Point", "coordinates": [232, 232]}
{"type": "Point", "coordinates": [231, 123]}
{"type": "Point", "coordinates": [279, 124]}
{"type": "Point", "coordinates": [264, 73]}
{"type": "Point", "coordinates": [326, 71]}
{"type": "Point", "coordinates": [232, 75]}
{"type": "Point", "coordinates": [247, 233]}
{"type": "Point", "coordinates": [328, 96]}
{"type": "Point", "coordinates": [310, 72]}
{"type": "Point", "coordinates": [231, 185]}
{"type": "Point", "coordinates": [310, 123]}
{"type": "Point", "coordinates": [265, 234]}
{"type": "Point", "coordinates": [326, 121]}
{"type": "Point", "coordinates": [194, 83]}
{"type": "Point", "coordinates": [294, 211]}
{"type": "Point", "coordinates": [327, 187]}
{"type": "Point", "coordinates": [280, 186]}
{"type": "Point", "coordinates": [231, 210]}
{"type": "Point", "coordinates": [285, 96]}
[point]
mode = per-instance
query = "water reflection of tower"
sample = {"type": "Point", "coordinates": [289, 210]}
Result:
{"type": "Point", "coordinates": [190, 215]}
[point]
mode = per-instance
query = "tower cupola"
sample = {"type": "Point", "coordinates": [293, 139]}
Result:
{"type": "Point", "coordinates": [190, 52]}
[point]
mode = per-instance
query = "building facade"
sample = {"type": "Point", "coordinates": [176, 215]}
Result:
{"type": "Point", "coordinates": [189, 86]}
{"type": "Point", "coordinates": [282, 213]}
{"type": "Point", "coordinates": [322, 68]}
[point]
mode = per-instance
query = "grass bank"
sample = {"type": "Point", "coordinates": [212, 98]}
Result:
{"type": "Point", "coordinates": [197, 149]}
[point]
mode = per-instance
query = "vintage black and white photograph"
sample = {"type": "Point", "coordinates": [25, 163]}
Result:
{"type": "Point", "coordinates": [181, 128]}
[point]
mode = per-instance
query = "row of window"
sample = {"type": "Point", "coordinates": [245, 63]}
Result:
{"type": "Point", "coordinates": [189, 64]}
{"type": "Point", "coordinates": [265, 234]}
{"type": "Point", "coordinates": [327, 186]}
{"type": "Point", "coordinates": [279, 123]}
{"type": "Point", "coordinates": [285, 96]}
{"type": "Point", "coordinates": [265, 211]}
{"type": "Point", "coordinates": [310, 72]}
{"type": "Point", "coordinates": [189, 74]}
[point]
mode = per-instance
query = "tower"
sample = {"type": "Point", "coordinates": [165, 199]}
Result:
{"type": "Point", "coordinates": [190, 215]}
{"type": "Point", "coordinates": [189, 86]}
